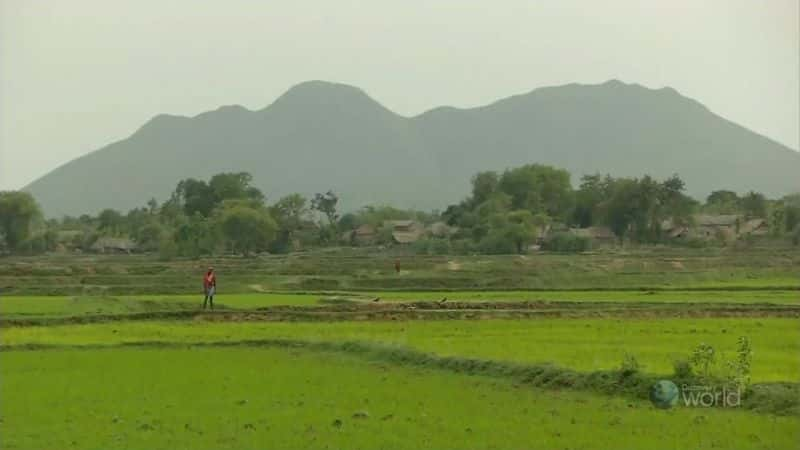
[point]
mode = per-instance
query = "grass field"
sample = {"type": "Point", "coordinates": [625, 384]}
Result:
{"type": "Point", "coordinates": [526, 352]}
{"type": "Point", "coordinates": [363, 270]}
{"type": "Point", "coordinates": [594, 344]}
{"type": "Point", "coordinates": [60, 306]}
{"type": "Point", "coordinates": [273, 398]}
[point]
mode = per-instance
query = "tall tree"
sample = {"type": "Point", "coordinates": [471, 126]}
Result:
{"type": "Point", "coordinates": [246, 230]}
{"type": "Point", "coordinates": [194, 196]}
{"type": "Point", "coordinates": [18, 213]}
{"type": "Point", "coordinates": [589, 199]}
{"type": "Point", "coordinates": [326, 204]}
{"type": "Point", "coordinates": [110, 221]}
{"type": "Point", "coordinates": [289, 212]}
{"type": "Point", "coordinates": [754, 204]}
{"type": "Point", "coordinates": [723, 202]}
{"type": "Point", "coordinates": [484, 184]}
{"type": "Point", "coordinates": [539, 189]}
{"type": "Point", "coordinates": [234, 185]}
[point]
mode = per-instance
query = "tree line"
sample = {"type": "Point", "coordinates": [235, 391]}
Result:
{"type": "Point", "coordinates": [505, 212]}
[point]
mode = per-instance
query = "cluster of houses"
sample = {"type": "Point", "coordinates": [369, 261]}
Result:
{"type": "Point", "coordinates": [703, 227]}
{"type": "Point", "coordinates": [401, 231]}
{"type": "Point", "coordinates": [727, 227]}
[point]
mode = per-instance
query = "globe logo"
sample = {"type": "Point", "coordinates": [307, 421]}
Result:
{"type": "Point", "coordinates": [664, 394]}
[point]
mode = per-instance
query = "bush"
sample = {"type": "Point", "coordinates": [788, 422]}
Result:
{"type": "Point", "coordinates": [703, 358]}
{"type": "Point", "coordinates": [682, 369]}
{"type": "Point", "coordinates": [568, 243]}
{"type": "Point", "coordinates": [497, 244]}
{"type": "Point", "coordinates": [739, 368]}
{"type": "Point", "coordinates": [431, 247]}
{"type": "Point", "coordinates": [692, 243]}
{"type": "Point", "coordinates": [38, 244]}
{"type": "Point", "coordinates": [630, 365]}
{"type": "Point", "coordinates": [167, 249]}
{"type": "Point", "coordinates": [462, 247]}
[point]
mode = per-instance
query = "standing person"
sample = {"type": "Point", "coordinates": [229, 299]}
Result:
{"type": "Point", "coordinates": [397, 266]}
{"type": "Point", "coordinates": [209, 287]}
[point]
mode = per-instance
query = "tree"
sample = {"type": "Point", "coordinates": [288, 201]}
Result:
{"type": "Point", "coordinates": [195, 236]}
{"type": "Point", "coordinates": [246, 230]}
{"type": "Point", "coordinates": [152, 206]}
{"type": "Point", "coordinates": [349, 221]}
{"type": "Point", "coordinates": [484, 184]}
{"type": "Point", "coordinates": [149, 236]}
{"type": "Point", "coordinates": [722, 197]}
{"type": "Point", "coordinates": [638, 207]}
{"type": "Point", "coordinates": [197, 196]}
{"type": "Point", "coordinates": [289, 212]}
{"type": "Point", "coordinates": [326, 204]}
{"type": "Point", "coordinates": [754, 204]}
{"type": "Point", "coordinates": [194, 196]}
{"type": "Point", "coordinates": [592, 193]}
{"type": "Point", "coordinates": [110, 221]}
{"type": "Point", "coordinates": [18, 214]}
{"type": "Point", "coordinates": [523, 227]}
{"type": "Point", "coordinates": [539, 189]}
{"type": "Point", "coordinates": [791, 215]}
{"type": "Point", "coordinates": [230, 185]}
{"type": "Point", "coordinates": [623, 210]}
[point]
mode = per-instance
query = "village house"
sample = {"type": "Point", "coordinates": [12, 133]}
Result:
{"type": "Point", "coordinates": [405, 231]}
{"type": "Point", "coordinates": [723, 226]}
{"type": "Point", "coordinates": [441, 230]}
{"type": "Point", "coordinates": [754, 227]}
{"type": "Point", "coordinates": [708, 226]}
{"type": "Point", "coordinates": [598, 234]}
{"type": "Point", "coordinates": [113, 245]}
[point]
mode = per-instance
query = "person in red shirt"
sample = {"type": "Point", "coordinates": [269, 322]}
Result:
{"type": "Point", "coordinates": [209, 287]}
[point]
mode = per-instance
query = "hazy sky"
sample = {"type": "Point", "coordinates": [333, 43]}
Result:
{"type": "Point", "coordinates": [76, 75]}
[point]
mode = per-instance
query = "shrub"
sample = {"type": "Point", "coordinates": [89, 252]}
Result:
{"type": "Point", "coordinates": [431, 247]}
{"type": "Point", "coordinates": [567, 243]}
{"type": "Point", "coordinates": [167, 249]}
{"type": "Point", "coordinates": [497, 244]}
{"type": "Point", "coordinates": [38, 244]}
{"type": "Point", "coordinates": [703, 358]}
{"type": "Point", "coordinates": [739, 368]}
{"type": "Point", "coordinates": [462, 247]}
{"type": "Point", "coordinates": [682, 369]}
{"type": "Point", "coordinates": [630, 365]}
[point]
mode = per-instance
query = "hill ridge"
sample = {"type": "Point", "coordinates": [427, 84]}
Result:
{"type": "Point", "coordinates": [321, 135]}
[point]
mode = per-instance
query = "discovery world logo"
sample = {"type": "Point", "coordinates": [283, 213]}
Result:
{"type": "Point", "coordinates": [665, 394]}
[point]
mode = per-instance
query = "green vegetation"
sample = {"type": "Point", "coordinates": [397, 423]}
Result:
{"type": "Point", "coordinates": [533, 206]}
{"type": "Point", "coordinates": [766, 269]}
{"type": "Point", "coordinates": [54, 306]}
{"type": "Point", "coordinates": [250, 398]}
{"type": "Point", "coordinates": [580, 344]}
{"type": "Point", "coordinates": [336, 348]}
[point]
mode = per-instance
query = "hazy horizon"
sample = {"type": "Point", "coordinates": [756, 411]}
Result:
{"type": "Point", "coordinates": [76, 77]}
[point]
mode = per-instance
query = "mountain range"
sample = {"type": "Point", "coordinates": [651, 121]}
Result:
{"type": "Point", "coordinates": [321, 136]}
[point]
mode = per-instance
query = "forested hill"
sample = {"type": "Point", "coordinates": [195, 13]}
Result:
{"type": "Point", "coordinates": [320, 136]}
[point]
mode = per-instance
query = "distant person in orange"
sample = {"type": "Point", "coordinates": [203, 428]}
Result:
{"type": "Point", "coordinates": [209, 287]}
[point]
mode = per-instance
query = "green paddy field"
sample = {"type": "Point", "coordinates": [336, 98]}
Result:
{"type": "Point", "coordinates": [115, 353]}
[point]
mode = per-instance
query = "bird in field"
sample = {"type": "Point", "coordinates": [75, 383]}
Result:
{"type": "Point", "coordinates": [444, 299]}
{"type": "Point", "coordinates": [376, 299]}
